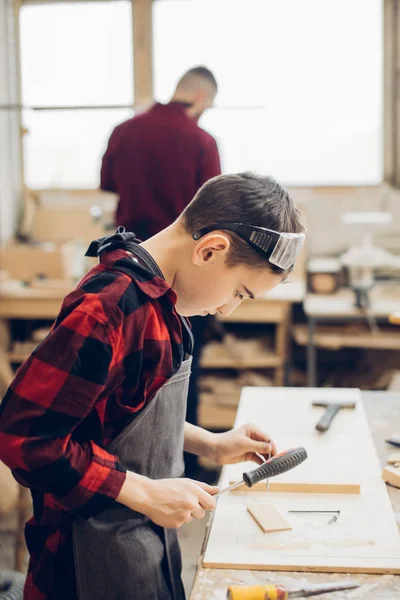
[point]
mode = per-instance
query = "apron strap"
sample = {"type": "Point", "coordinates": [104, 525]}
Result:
{"type": "Point", "coordinates": [127, 240]}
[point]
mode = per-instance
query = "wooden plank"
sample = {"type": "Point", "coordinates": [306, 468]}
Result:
{"type": "Point", "coordinates": [30, 308]}
{"type": "Point", "coordinates": [216, 417]}
{"type": "Point", "coordinates": [301, 488]}
{"type": "Point", "coordinates": [365, 537]}
{"type": "Point", "coordinates": [258, 311]}
{"type": "Point", "coordinates": [268, 518]}
{"type": "Point", "coordinates": [265, 360]}
{"type": "Point", "coordinates": [391, 475]}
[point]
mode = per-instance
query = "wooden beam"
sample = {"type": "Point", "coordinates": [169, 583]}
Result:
{"type": "Point", "coordinates": [142, 18]}
{"type": "Point", "coordinates": [390, 11]}
{"type": "Point", "coordinates": [17, 58]}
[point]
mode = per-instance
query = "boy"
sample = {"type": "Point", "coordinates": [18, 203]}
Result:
{"type": "Point", "coordinates": [94, 420]}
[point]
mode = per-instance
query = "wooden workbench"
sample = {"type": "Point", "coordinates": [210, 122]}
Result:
{"type": "Point", "coordinates": [383, 411]}
{"type": "Point", "coordinates": [23, 303]}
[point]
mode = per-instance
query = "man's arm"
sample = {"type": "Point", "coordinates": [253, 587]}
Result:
{"type": "Point", "coordinates": [107, 183]}
{"type": "Point", "coordinates": [53, 391]}
{"type": "Point", "coordinates": [209, 163]}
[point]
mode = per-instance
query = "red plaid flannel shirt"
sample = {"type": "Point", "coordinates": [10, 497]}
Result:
{"type": "Point", "coordinates": [114, 344]}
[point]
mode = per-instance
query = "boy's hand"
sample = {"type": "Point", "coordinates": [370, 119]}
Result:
{"type": "Point", "coordinates": [168, 502]}
{"type": "Point", "coordinates": [173, 502]}
{"type": "Point", "coordinates": [241, 444]}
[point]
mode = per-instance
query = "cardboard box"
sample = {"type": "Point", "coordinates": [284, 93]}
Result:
{"type": "Point", "coordinates": [63, 222]}
{"type": "Point", "coordinates": [29, 261]}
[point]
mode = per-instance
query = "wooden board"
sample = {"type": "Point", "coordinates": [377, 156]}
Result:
{"type": "Point", "coordinates": [391, 475]}
{"type": "Point", "coordinates": [364, 539]}
{"type": "Point", "coordinates": [301, 488]}
{"type": "Point", "coordinates": [268, 518]}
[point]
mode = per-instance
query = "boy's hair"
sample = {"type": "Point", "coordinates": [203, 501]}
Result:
{"type": "Point", "coordinates": [244, 198]}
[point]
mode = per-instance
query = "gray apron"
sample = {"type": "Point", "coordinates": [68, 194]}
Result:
{"type": "Point", "coordinates": [120, 554]}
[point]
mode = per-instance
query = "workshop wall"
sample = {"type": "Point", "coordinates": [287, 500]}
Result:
{"type": "Point", "coordinates": [324, 207]}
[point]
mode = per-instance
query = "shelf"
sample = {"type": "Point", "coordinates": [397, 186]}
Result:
{"type": "Point", "coordinates": [334, 337]}
{"type": "Point", "coordinates": [17, 357]}
{"type": "Point", "coordinates": [259, 311]}
{"type": "Point", "coordinates": [263, 361]}
{"type": "Point", "coordinates": [216, 417]}
{"type": "Point", "coordinates": [223, 400]}
{"type": "Point", "coordinates": [385, 299]}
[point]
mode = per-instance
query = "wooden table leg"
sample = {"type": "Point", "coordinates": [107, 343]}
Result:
{"type": "Point", "coordinates": [282, 346]}
{"type": "Point", "coordinates": [24, 504]}
{"type": "Point", "coordinates": [6, 372]}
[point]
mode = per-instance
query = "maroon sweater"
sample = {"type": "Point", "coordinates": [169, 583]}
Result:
{"type": "Point", "coordinates": [156, 162]}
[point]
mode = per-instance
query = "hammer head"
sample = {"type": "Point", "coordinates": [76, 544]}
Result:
{"type": "Point", "coordinates": [341, 404]}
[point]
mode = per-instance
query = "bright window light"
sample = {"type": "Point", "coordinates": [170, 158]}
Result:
{"type": "Point", "coordinates": [73, 55]}
{"type": "Point", "coordinates": [300, 82]}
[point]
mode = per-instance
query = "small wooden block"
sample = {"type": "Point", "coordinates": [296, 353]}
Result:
{"type": "Point", "coordinates": [394, 458]}
{"type": "Point", "coordinates": [301, 488]}
{"type": "Point", "coordinates": [268, 518]}
{"type": "Point", "coordinates": [391, 475]}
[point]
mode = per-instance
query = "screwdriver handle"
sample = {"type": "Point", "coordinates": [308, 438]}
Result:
{"type": "Point", "coordinates": [257, 592]}
{"type": "Point", "coordinates": [278, 464]}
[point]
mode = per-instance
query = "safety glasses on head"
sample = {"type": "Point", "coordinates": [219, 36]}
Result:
{"type": "Point", "coordinates": [280, 248]}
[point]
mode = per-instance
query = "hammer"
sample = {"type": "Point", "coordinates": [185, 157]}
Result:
{"type": "Point", "coordinates": [332, 408]}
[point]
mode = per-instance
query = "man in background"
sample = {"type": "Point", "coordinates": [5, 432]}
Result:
{"type": "Point", "coordinates": [156, 162]}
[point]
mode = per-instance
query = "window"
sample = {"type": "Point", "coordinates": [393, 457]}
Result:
{"type": "Point", "coordinates": [77, 84]}
{"type": "Point", "coordinates": [300, 82]}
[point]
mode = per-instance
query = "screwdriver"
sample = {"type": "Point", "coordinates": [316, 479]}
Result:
{"type": "Point", "coordinates": [280, 592]}
{"type": "Point", "coordinates": [280, 463]}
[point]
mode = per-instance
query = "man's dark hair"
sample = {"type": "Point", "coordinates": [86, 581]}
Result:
{"type": "Point", "coordinates": [199, 71]}
{"type": "Point", "coordinates": [244, 198]}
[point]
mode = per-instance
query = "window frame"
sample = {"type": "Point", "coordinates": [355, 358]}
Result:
{"type": "Point", "coordinates": [142, 23]}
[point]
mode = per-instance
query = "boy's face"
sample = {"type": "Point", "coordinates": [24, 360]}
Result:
{"type": "Point", "coordinates": [205, 285]}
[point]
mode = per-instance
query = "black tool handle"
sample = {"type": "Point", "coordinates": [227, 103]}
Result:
{"type": "Point", "coordinates": [327, 418]}
{"type": "Point", "coordinates": [282, 462]}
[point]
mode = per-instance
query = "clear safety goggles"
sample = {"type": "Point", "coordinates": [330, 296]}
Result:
{"type": "Point", "coordinates": [280, 248]}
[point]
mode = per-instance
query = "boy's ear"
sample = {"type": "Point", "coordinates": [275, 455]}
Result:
{"type": "Point", "coordinates": [211, 247]}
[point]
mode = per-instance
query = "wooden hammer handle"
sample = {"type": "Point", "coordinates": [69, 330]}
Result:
{"type": "Point", "coordinates": [327, 418]}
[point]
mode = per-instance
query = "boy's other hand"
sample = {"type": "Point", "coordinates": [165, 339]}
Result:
{"type": "Point", "coordinates": [242, 444]}
{"type": "Point", "coordinates": [169, 503]}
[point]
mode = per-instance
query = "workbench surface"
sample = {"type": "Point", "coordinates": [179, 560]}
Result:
{"type": "Point", "coordinates": [383, 411]}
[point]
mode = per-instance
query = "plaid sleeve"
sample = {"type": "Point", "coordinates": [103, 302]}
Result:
{"type": "Point", "coordinates": [54, 390]}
